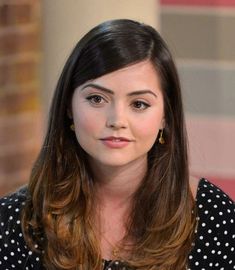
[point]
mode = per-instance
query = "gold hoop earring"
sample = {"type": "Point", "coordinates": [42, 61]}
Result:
{"type": "Point", "coordinates": [72, 127]}
{"type": "Point", "coordinates": [161, 139]}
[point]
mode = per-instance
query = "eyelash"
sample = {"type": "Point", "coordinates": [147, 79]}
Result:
{"type": "Point", "coordinates": [92, 97]}
{"type": "Point", "coordinates": [146, 106]}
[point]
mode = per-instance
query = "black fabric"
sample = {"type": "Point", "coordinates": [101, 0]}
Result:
{"type": "Point", "coordinates": [214, 246]}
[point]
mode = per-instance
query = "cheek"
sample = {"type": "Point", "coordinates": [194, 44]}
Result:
{"type": "Point", "coordinates": [148, 131]}
{"type": "Point", "coordinates": [149, 128]}
{"type": "Point", "coordinates": [86, 122]}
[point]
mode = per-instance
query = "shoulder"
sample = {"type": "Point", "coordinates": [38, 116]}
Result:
{"type": "Point", "coordinates": [212, 197]}
{"type": "Point", "coordinates": [12, 204]}
{"type": "Point", "coordinates": [18, 195]}
{"type": "Point", "coordinates": [14, 252]}
{"type": "Point", "coordinates": [208, 195]}
{"type": "Point", "coordinates": [215, 208]}
{"type": "Point", "coordinates": [215, 233]}
{"type": "Point", "coordinates": [10, 212]}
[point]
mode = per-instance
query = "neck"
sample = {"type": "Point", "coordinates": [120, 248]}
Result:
{"type": "Point", "coordinates": [117, 184]}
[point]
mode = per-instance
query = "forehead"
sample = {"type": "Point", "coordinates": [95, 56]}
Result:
{"type": "Point", "coordinates": [138, 76]}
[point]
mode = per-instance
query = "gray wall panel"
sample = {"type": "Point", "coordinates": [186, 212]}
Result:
{"type": "Point", "coordinates": [200, 36]}
{"type": "Point", "coordinates": [208, 91]}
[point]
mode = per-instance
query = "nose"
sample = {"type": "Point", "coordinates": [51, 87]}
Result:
{"type": "Point", "coordinates": [116, 118]}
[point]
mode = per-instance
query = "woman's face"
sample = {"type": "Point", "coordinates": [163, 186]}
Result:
{"type": "Point", "coordinates": [117, 116]}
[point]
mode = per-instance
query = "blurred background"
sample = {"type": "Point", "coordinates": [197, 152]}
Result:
{"type": "Point", "coordinates": [37, 36]}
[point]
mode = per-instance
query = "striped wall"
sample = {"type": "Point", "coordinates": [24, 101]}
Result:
{"type": "Point", "coordinates": [201, 35]}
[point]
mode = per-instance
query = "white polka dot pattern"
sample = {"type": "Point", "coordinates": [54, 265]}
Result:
{"type": "Point", "coordinates": [214, 243]}
{"type": "Point", "coordinates": [213, 248]}
{"type": "Point", "coordinates": [14, 253]}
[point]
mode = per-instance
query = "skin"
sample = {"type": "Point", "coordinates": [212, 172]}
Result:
{"type": "Point", "coordinates": [126, 112]}
{"type": "Point", "coordinates": [122, 111]}
{"type": "Point", "coordinates": [137, 117]}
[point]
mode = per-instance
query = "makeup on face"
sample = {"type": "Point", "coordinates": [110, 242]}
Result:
{"type": "Point", "coordinates": [117, 116]}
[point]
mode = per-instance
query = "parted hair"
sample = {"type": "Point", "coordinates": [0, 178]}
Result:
{"type": "Point", "coordinates": [57, 219]}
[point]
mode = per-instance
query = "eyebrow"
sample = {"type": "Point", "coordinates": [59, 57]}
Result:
{"type": "Point", "coordinates": [106, 90]}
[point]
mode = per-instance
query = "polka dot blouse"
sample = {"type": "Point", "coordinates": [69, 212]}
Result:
{"type": "Point", "coordinates": [213, 248]}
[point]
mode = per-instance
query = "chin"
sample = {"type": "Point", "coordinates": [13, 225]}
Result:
{"type": "Point", "coordinates": [114, 163]}
{"type": "Point", "coordinates": [111, 161]}
{"type": "Point", "coordinates": [119, 162]}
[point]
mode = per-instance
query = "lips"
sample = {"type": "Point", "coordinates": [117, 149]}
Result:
{"type": "Point", "coordinates": [116, 139]}
{"type": "Point", "coordinates": [115, 142]}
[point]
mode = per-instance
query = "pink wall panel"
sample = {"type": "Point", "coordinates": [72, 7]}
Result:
{"type": "Point", "coordinates": [213, 3]}
{"type": "Point", "coordinates": [212, 149]}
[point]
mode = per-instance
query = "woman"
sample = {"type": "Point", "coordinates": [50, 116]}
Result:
{"type": "Point", "coordinates": [111, 188]}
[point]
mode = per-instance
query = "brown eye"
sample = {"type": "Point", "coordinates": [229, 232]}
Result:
{"type": "Point", "coordinates": [95, 99]}
{"type": "Point", "coordinates": [140, 105]}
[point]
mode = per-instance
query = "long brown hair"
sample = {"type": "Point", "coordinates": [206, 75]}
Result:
{"type": "Point", "coordinates": [59, 210]}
